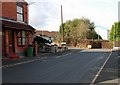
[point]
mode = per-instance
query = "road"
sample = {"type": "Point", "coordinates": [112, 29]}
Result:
{"type": "Point", "coordinates": [75, 66]}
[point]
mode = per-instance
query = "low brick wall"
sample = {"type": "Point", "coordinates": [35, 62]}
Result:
{"type": "Point", "coordinates": [83, 43]}
{"type": "Point", "coordinates": [117, 43]}
{"type": "Point", "coordinates": [107, 45]}
{"type": "Point", "coordinates": [104, 44]}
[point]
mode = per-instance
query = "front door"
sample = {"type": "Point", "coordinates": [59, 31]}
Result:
{"type": "Point", "coordinates": [3, 43]}
{"type": "Point", "coordinates": [11, 41]}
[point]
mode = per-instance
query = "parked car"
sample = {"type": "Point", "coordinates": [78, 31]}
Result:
{"type": "Point", "coordinates": [64, 45]}
{"type": "Point", "coordinates": [54, 48]}
{"type": "Point", "coordinates": [47, 47]}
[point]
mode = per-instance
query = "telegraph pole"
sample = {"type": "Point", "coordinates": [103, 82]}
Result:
{"type": "Point", "coordinates": [62, 24]}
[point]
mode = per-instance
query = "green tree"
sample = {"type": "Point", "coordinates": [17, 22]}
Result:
{"type": "Point", "coordinates": [115, 32]}
{"type": "Point", "coordinates": [77, 29]}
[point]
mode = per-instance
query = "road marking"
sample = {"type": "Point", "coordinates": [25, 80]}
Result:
{"type": "Point", "coordinates": [95, 50]}
{"type": "Point", "coordinates": [63, 55]}
{"type": "Point", "coordinates": [31, 61]}
{"type": "Point", "coordinates": [67, 54]}
{"type": "Point", "coordinates": [98, 73]}
{"type": "Point", "coordinates": [44, 60]}
{"type": "Point", "coordinates": [58, 56]}
{"type": "Point", "coordinates": [23, 62]}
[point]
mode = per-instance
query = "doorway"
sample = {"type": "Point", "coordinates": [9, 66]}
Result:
{"type": "Point", "coordinates": [3, 43]}
{"type": "Point", "coordinates": [11, 41]}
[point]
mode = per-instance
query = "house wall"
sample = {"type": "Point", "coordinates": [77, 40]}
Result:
{"type": "Point", "coordinates": [5, 43]}
{"type": "Point", "coordinates": [9, 10]}
{"type": "Point", "coordinates": [20, 50]}
{"type": "Point", "coordinates": [6, 10]}
{"type": "Point", "coordinates": [0, 43]}
{"type": "Point", "coordinates": [7, 13]}
{"type": "Point", "coordinates": [25, 6]}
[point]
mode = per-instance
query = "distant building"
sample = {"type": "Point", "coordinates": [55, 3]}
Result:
{"type": "Point", "coordinates": [16, 33]}
{"type": "Point", "coordinates": [53, 35]}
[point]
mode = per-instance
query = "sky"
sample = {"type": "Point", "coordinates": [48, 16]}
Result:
{"type": "Point", "coordinates": [46, 14]}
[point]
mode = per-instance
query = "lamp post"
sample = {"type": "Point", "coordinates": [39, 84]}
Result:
{"type": "Point", "coordinates": [102, 28]}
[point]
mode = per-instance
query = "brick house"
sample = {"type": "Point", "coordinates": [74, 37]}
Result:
{"type": "Point", "coordinates": [16, 33]}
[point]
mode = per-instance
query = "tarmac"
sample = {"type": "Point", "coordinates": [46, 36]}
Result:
{"type": "Point", "coordinates": [109, 75]}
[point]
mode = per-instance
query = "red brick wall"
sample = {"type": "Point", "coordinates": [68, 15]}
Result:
{"type": "Point", "coordinates": [0, 8]}
{"type": "Point", "coordinates": [25, 12]}
{"type": "Point", "coordinates": [52, 34]}
{"type": "Point", "coordinates": [6, 42]}
{"type": "Point", "coordinates": [9, 10]}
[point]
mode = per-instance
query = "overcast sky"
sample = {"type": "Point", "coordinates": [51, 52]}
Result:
{"type": "Point", "coordinates": [45, 14]}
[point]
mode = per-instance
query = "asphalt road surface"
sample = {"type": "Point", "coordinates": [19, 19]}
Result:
{"type": "Point", "coordinates": [75, 66]}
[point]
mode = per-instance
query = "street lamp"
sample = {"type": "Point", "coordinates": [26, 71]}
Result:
{"type": "Point", "coordinates": [102, 28]}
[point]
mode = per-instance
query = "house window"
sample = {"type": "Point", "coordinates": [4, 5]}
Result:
{"type": "Point", "coordinates": [19, 9]}
{"type": "Point", "coordinates": [20, 13]}
{"type": "Point", "coordinates": [21, 38]}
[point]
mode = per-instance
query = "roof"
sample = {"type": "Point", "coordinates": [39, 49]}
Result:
{"type": "Point", "coordinates": [47, 33]}
{"type": "Point", "coordinates": [41, 40]}
{"type": "Point", "coordinates": [16, 25]}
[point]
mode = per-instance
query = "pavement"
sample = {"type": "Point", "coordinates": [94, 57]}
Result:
{"type": "Point", "coordinates": [25, 59]}
{"type": "Point", "coordinates": [110, 73]}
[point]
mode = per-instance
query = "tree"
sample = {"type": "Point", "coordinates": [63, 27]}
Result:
{"type": "Point", "coordinates": [77, 29]}
{"type": "Point", "coordinates": [115, 32]}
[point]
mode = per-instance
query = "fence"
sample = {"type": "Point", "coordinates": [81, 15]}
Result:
{"type": "Point", "coordinates": [104, 44]}
{"type": "Point", "coordinates": [117, 43]}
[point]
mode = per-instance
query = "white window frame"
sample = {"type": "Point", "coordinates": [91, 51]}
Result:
{"type": "Point", "coordinates": [19, 13]}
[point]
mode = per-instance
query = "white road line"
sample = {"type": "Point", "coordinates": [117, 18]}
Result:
{"type": "Point", "coordinates": [22, 62]}
{"type": "Point", "coordinates": [63, 55]}
{"type": "Point", "coordinates": [67, 54]}
{"type": "Point", "coordinates": [44, 60]}
{"type": "Point", "coordinates": [95, 50]}
{"type": "Point", "coordinates": [58, 56]}
{"type": "Point", "coordinates": [98, 73]}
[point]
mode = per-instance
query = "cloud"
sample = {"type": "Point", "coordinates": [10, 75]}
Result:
{"type": "Point", "coordinates": [45, 14]}
{"type": "Point", "coordinates": [42, 13]}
